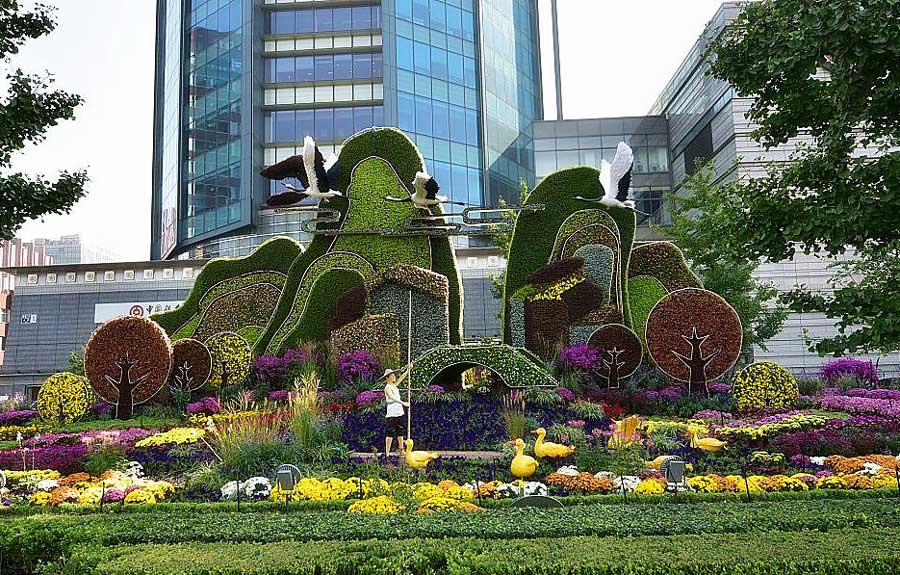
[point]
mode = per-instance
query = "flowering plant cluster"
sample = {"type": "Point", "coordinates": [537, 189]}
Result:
{"type": "Point", "coordinates": [253, 488]}
{"type": "Point", "coordinates": [208, 405]}
{"type": "Point", "coordinates": [771, 426]}
{"type": "Point", "coordinates": [861, 405]}
{"type": "Point", "coordinates": [17, 416]}
{"type": "Point", "coordinates": [579, 357]}
{"type": "Point", "coordinates": [50, 488]}
{"type": "Point", "coordinates": [174, 436]}
{"type": "Point", "coordinates": [63, 398]}
{"type": "Point", "coordinates": [862, 371]}
{"type": "Point", "coordinates": [357, 365]}
{"type": "Point", "coordinates": [764, 384]}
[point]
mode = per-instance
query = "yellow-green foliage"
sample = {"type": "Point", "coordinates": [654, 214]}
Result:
{"type": "Point", "coordinates": [231, 355]}
{"type": "Point", "coordinates": [644, 292]}
{"type": "Point", "coordinates": [764, 384]}
{"type": "Point", "coordinates": [63, 398]}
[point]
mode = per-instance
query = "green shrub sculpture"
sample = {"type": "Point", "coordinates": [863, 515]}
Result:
{"type": "Point", "coordinates": [516, 367]}
{"type": "Point", "coordinates": [63, 398]}
{"type": "Point", "coordinates": [764, 384]}
{"type": "Point", "coordinates": [232, 359]}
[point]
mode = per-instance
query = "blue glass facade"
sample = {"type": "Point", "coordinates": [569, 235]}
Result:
{"type": "Point", "coordinates": [241, 82]}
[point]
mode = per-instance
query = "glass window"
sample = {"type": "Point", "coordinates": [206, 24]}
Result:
{"type": "Point", "coordinates": [324, 20]}
{"type": "Point", "coordinates": [305, 69]}
{"type": "Point", "coordinates": [457, 124]}
{"type": "Point", "coordinates": [343, 123]}
{"type": "Point", "coordinates": [439, 63]}
{"type": "Point", "coordinates": [377, 65]}
{"type": "Point", "coordinates": [468, 26]}
{"type": "Point", "coordinates": [362, 17]}
{"type": "Point", "coordinates": [438, 16]}
{"type": "Point", "coordinates": [566, 159]}
{"type": "Point", "coordinates": [406, 112]}
{"type": "Point", "coordinates": [404, 53]}
{"type": "Point", "coordinates": [362, 118]}
{"type": "Point", "coordinates": [469, 72]}
{"type": "Point", "coordinates": [544, 163]}
{"type": "Point", "coordinates": [362, 66]}
{"type": "Point", "coordinates": [342, 19]}
{"type": "Point", "coordinates": [376, 16]}
{"type": "Point", "coordinates": [474, 192]}
{"type": "Point", "coordinates": [441, 174]}
{"type": "Point", "coordinates": [325, 124]}
{"type": "Point", "coordinates": [423, 115]}
{"type": "Point", "coordinates": [441, 120]}
{"type": "Point", "coordinates": [423, 58]}
{"type": "Point", "coordinates": [455, 68]}
{"type": "Point", "coordinates": [284, 70]}
{"type": "Point", "coordinates": [269, 135]}
{"type": "Point", "coordinates": [378, 116]}
{"type": "Point", "coordinates": [420, 12]}
{"type": "Point", "coordinates": [472, 127]}
{"type": "Point", "coordinates": [284, 126]}
{"type": "Point", "coordinates": [404, 9]}
{"type": "Point", "coordinates": [324, 68]}
{"type": "Point", "coordinates": [306, 124]}
{"type": "Point", "coordinates": [343, 66]}
{"type": "Point", "coordinates": [454, 21]}
{"type": "Point", "coordinates": [282, 22]}
{"type": "Point", "coordinates": [270, 69]}
{"type": "Point", "coordinates": [460, 183]}
{"type": "Point", "coordinates": [305, 21]}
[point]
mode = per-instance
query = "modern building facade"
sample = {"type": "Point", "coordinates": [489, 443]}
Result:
{"type": "Point", "coordinates": [239, 83]}
{"type": "Point", "coordinates": [71, 250]}
{"type": "Point", "coordinates": [14, 253]}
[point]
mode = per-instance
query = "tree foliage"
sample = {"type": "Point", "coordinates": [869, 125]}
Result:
{"type": "Point", "coordinates": [26, 112]}
{"type": "Point", "coordinates": [828, 72]}
{"type": "Point", "coordinates": [697, 219]}
{"type": "Point", "coordinates": [502, 238]}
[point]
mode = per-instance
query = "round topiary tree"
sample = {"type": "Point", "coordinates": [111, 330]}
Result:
{"type": "Point", "coordinates": [63, 398]}
{"type": "Point", "coordinates": [764, 384]}
{"type": "Point", "coordinates": [232, 358]}
{"type": "Point", "coordinates": [127, 361]}
{"type": "Point", "coordinates": [620, 352]}
{"type": "Point", "coordinates": [694, 335]}
{"type": "Point", "coordinates": [191, 366]}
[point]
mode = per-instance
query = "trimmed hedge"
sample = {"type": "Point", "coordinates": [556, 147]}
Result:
{"type": "Point", "coordinates": [534, 234]}
{"type": "Point", "coordinates": [644, 292]}
{"type": "Point", "coordinates": [857, 551]}
{"type": "Point", "coordinates": [274, 255]}
{"type": "Point", "coordinates": [664, 261]}
{"type": "Point", "coordinates": [321, 307]}
{"type": "Point", "coordinates": [514, 367]}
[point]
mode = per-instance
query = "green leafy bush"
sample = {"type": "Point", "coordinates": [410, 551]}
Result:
{"type": "Point", "coordinates": [664, 261]}
{"type": "Point", "coordinates": [644, 292]}
{"type": "Point", "coordinates": [514, 367]}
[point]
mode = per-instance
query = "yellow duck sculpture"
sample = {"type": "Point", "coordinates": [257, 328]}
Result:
{"type": "Point", "coordinates": [547, 449]}
{"type": "Point", "coordinates": [418, 459]}
{"type": "Point", "coordinates": [625, 433]}
{"type": "Point", "coordinates": [707, 444]}
{"type": "Point", "coordinates": [522, 465]}
{"type": "Point", "coordinates": [657, 463]}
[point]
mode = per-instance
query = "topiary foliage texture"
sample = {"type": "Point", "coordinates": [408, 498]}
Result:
{"type": "Point", "coordinates": [232, 359]}
{"type": "Point", "coordinates": [191, 366]}
{"type": "Point", "coordinates": [516, 367]}
{"type": "Point", "coordinates": [620, 352]}
{"type": "Point", "coordinates": [63, 398]}
{"type": "Point", "coordinates": [764, 384]}
{"type": "Point", "coordinates": [693, 335]}
{"type": "Point", "coordinates": [127, 361]}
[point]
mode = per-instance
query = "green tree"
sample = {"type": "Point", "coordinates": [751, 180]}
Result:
{"type": "Point", "coordinates": [502, 238]}
{"type": "Point", "coordinates": [829, 71]}
{"type": "Point", "coordinates": [27, 111]}
{"type": "Point", "coordinates": [694, 215]}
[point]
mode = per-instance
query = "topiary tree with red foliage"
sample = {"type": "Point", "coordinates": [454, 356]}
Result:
{"type": "Point", "coordinates": [694, 335]}
{"type": "Point", "coordinates": [191, 365]}
{"type": "Point", "coordinates": [127, 361]}
{"type": "Point", "coordinates": [620, 352]}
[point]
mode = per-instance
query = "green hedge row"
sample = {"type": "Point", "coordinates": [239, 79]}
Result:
{"type": "Point", "coordinates": [26, 541]}
{"type": "Point", "coordinates": [856, 551]}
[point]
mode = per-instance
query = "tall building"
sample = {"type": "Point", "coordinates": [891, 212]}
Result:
{"type": "Point", "coordinates": [239, 83]}
{"type": "Point", "coordinates": [70, 250]}
{"type": "Point", "coordinates": [14, 253]}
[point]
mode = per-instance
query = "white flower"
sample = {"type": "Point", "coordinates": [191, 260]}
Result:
{"type": "Point", "coordinates": [47, 485]}
{"type": "Point", "coordinates": [508, 490]}
{"type": "Point", "coordinates": [535, 488]}
{"type": "Point", "coordinates": [256, 488]}
{"type": "Point", "coordinates": [820, 461]}
{"type": "Point", "coordinates": [870, 469]}
{"type": "Point", "coordinates": [631, 482]}
{"type": "Point", "coordinates": [229, 490]}
{"type": "Point", "coordinates": [134, 470]}
{"type": "Point", "coordinates": [569, 470]}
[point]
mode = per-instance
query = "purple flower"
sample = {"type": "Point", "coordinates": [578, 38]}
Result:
{"type": "Point", "coordinates": [801, 461]}
{"type": "Point", "coordinates": [670, 393]}
{"type": "Point", "coordinates": [280, 395]}
{"type": "Point", "coordinates": [131, 488]}
{"type": "Point", "coordinates": [273, 369]}
{"type": "Point", "coordinates": [17, 416]}
{"type": "Point", "coordinates": [860, 370]}
{"type": "Point", "coordinates": [719, 388]}
{"type": "Point", "coordinates": [62, 458]}
{"type": "Point", "coordinates": [564, 393]}
{"type": "Point", "coordinates": [434, 389]}
{"type": "Point", "coordinates": [113, 496]}
{"type": "Point", "coordinates": [367, 398]}
{"type": "Point", "coordinates": [578, 357]}
{"type": "Point", "coordinates": [357, 365]}
{"type": "Point", "coordinates": [861, 405]}
{"type": "Point", "coordinates": [101, 408]}
{"type": "Point", "coordinates": [712, 415]}
{"type": "Point", "coordinates": [208, 405]}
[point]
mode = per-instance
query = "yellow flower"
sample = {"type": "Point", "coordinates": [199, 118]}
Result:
{"type": "Point", "coordinates": [833, 482]}
{"type": "Point", "coordinates": [175, 436]}
{"type": "Point", "coordinates": [381, 505]}
{"type": "Point", "coordinates": [436, 504]}
{"type": "Point", "coordinates": [141, 497]}
{"type": "Point", "coordinates": [40, 498]}
{"type": "Point", "coordinates": [650, 487]}
{"type": "Point", "coordinates": [883, 480]}
{"type": "Point", "coordinates": [764, 384]}
{"type": "Point", "coordinates": [90, 496]}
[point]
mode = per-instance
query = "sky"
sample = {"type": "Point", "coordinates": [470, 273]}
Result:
{"type": "Point", "coordinates": [616, 58]}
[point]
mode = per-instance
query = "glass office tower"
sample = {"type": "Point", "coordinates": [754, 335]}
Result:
{"type": "Point", "coordinates": [239, 83]}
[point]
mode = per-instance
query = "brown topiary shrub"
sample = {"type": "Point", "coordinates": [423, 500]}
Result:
{"type": "Point", "coordinates": [191, 365]}
{"type": "Point", "coordinates": [127, 361]}
{"type": "Point", "coordinates": [546, 327]}
{"type": "Point", "coordinates": [558, 270]}
{"type": "Point", "coordinates": [349, 307]}
{"type": "Point", "coordinates": [620, 352]}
